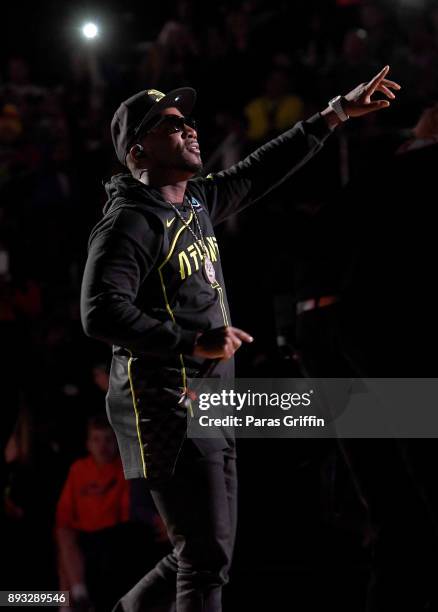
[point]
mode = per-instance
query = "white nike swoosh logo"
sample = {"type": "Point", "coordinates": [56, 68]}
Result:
{"type": "Point", "coordinates": [170, 221]}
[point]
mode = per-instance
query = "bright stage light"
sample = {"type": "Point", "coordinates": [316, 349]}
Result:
{"type": "Point", "coordinates": [90, 30]}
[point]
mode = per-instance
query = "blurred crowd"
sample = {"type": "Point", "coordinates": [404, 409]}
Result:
{"type": "Point", "coordinates": [258, 66]}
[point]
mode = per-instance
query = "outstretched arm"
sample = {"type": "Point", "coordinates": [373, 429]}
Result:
{"type": "Point", "coordinates": [231, 190]}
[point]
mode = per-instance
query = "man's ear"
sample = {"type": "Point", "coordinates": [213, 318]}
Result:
{"type": "Point", "coordinates": [137, 152]}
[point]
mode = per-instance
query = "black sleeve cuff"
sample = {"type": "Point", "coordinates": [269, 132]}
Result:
{"type": "Point", "coordinates": [318, 127]}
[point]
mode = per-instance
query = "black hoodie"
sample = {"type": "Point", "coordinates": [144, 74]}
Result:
{"type": "Point", "coordinates": [143, 288]}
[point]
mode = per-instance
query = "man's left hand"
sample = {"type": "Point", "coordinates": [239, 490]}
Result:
{"type": "Point", "coordinates": [358, 102]}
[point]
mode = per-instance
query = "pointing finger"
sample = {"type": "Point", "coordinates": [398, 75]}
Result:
{"type": "Point", "coordinates": [242, 335]}
{"type": "Point", "coordinates": [371, 86]}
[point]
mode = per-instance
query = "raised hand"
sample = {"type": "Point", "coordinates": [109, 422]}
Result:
{"type": "Point", "coordinates": [358, 102]}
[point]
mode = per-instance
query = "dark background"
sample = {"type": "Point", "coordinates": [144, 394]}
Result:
{"type": "Point", "coordinates": [357, 223]}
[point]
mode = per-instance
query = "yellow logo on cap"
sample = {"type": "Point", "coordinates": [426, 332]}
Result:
{"type": "Point", "coordinates": [155, 94]}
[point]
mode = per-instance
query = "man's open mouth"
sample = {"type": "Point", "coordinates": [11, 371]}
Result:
{"type": "Point", "coordinates": [193, 148]}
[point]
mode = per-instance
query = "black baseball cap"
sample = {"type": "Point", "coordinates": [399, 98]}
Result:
{"type": "Point", "coordinates": [134, 114]}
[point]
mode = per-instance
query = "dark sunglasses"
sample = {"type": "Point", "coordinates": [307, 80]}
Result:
{"type": "Point", "coordinates": [171, 123]}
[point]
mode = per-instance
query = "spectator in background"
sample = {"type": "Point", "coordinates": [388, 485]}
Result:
{"type": "Point", "coordinates": [147, 64]}
{"type": "Point", "coordinates": [28, 491]}
{"type": "Point", "coordinates": [17, 157]}
{"type": "Point", "coordinates": [101, 376]}
{"type": "Point", "coordinates": [238, 30]}
{"type": "Point", "coordinates": [18, 87]}
{"type": "Point", "coordinates": [10, 124]}
{"type": "Point", "coordinates": [178, 46]}
{"type": "Point", "coordinates": [425, 132]}
{"type": "Point", "coordinates": [13, 342]}
{"type": "Point", "coordinates": [355, 60]}
{"type": "Point", "coordinates": [380, 26]}
{"type": "Point", "coordinates": [317, 52]}
{"type": "Point", "coordinates": [18, 455]}
{"type": "Point", "coordinates": [274, 111]}
{"type": "Point", "coordinates": [95, 387]}
{"type": "Point", "coordinates": [93, 504]}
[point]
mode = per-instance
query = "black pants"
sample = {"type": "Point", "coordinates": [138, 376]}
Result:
{"type": "Point", "coordinates": [199, 508]}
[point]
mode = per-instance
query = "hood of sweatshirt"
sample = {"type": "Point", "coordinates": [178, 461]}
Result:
{"type": "Point", "coordinates": [123, 190]}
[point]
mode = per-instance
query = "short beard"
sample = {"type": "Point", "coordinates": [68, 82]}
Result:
{"type": "Point", "coordinates": [191, 167]}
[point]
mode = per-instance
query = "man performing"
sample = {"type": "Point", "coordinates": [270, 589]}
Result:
{"type": "Point", "coordinates": [153, 288]}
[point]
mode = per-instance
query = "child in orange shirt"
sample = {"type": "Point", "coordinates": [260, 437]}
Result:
{"type": "Point", "coordinates": [95, 499]}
